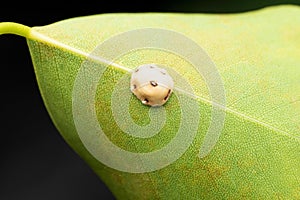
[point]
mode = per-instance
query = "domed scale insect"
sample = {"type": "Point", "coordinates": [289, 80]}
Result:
{"type": "Point", "coordinates": [151, 84]}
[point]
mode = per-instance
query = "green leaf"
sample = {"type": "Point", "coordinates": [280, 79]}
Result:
{"type": "Point", "coordinates": [257, 153]}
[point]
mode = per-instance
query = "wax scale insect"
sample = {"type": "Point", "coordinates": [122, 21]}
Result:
{"type": "Point", "coordinates": [151, 84]}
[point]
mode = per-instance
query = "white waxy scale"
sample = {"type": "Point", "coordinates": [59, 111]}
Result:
{"type": "Point", "coordinates": [151, 84]}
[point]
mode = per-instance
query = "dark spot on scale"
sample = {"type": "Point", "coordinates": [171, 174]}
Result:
{"type": "Point", "coordinates": [164, 73]}
{"type": "Point", "coordinates": [153, 83]}
{"type": "Point", "coordinates": [137, 70]}
{"type": "Point", "coordinates": [134, 86]}
{"type": "Point", "coordinates": [151, 67]}
{"type": "Point", "coordinates": [167, 95]}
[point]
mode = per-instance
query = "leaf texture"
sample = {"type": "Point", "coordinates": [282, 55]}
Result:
{"type": "Point", "coordinates": [257, 56]}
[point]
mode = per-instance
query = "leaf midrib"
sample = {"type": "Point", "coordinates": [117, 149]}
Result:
{"type": "Point", "coordinates": [34, 35]}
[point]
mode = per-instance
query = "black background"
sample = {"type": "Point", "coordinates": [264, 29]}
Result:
{"type": "Point", "coordinates": [35, 161]}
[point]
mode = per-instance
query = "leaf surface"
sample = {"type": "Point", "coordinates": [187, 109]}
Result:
{"type": "Point", "coordinates": [257, 56]}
